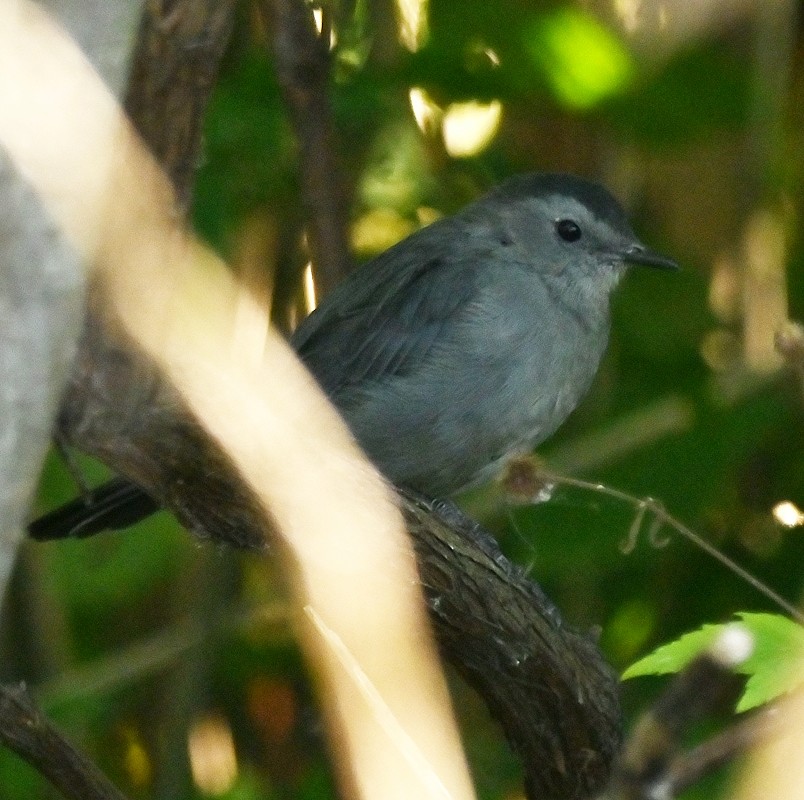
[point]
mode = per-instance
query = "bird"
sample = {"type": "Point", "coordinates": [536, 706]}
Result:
{"type": "Point", "coordinates": [461, 347]}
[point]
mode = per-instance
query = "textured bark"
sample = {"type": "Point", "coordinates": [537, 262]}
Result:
{"type": "Point", "coordinates": [175, 66]}
{"type": "Point", "coordinates": [546, 684]}
{"type": "Point", "coordinates": [117, 406]}
{"type": "Point", "coordinates": [120, 409]}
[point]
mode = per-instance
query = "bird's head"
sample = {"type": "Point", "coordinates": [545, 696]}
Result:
{"type": "Point", "coordinates": [569, 229]}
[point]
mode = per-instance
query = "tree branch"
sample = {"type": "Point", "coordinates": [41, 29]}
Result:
{"type": "Point", "coordinates": [26, 731]}
{"type": "Point", "coordinates": [546, 684]}
{"type": "Point", "coordinates": [117, 405]}
{"type": "Point", "coordinates": [175, 66]}
{"type": "Point", "coordinates": [302, 64]}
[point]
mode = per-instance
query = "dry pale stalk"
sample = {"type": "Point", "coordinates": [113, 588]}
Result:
{"type": "Point", "coordinates": [353, 573]}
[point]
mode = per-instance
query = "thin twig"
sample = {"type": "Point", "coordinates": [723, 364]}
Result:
{"type": "Point", "coordinates": [663, 518]}
{"type": "Point", "coordinates": [688, 768]}
{"type": "Point", "coordinates": [146, 656]}
{"type": "Point", "coordinates": [26, 731]}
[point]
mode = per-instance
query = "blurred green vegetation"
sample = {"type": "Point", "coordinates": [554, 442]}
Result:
{"type": "Point", "coordinates": [695, 121]}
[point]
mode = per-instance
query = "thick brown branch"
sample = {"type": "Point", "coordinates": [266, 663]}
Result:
{"type": "Point", "coordinates": [546, 684]}
{"type": "Point", "coordinates": [117, 407]}
{"type": "Point", "coordinates": [26, 731]}
{"type": "Point", "coordinates": [175, 65]}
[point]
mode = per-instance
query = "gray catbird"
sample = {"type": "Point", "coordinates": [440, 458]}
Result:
{"type": "Point", "coordinates": [468, 342]}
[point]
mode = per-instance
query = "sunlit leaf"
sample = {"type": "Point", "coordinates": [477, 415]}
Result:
{"type": "Point", "coordinates": [674, 656]}
{"type": "Point", "coordinates": [773, 668]}
{"type": "Point", "coordinates": [469, 128]}
{"type": "Point", "coordinates": [583, 61]}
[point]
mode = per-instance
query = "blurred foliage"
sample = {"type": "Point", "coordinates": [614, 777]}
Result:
{"type": "Point", "coordinates": [695, 121]}
{"type": "Point", "coordinates": [583, 61]}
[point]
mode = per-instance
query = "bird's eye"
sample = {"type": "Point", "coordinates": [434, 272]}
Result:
{"type": "Point", "coordinates": [568, 230]}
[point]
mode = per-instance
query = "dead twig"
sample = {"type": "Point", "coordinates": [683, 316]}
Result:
{"type": "Point", "coordinates": [28, 733]}
{"type": "Point", "coordinates": [526, 481]}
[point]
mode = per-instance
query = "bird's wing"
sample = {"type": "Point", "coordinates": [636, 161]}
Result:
{"type": "Point", "coordinates": [385, 318]}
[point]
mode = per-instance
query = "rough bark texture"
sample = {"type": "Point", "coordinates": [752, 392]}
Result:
{"type": "Point", "coordinates": [117, 406]}
{"type": "Point", "coordinates": [120, 409]}
{"type": "Point", "coordinates": [175, 66]}
{"type": "Point", "coordinates": [545, 683]}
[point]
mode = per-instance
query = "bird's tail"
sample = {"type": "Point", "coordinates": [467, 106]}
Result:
{"type": "Point", "coordinates": [113, 505]}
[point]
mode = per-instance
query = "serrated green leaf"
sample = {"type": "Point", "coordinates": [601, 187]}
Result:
{"type": "Point", "coordinates": [674, 656]}
{"type": "Point", "coordinates": [773, 668]}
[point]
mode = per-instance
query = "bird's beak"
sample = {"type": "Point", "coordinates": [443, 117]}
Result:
{"type": "Point", "coordinates": [639, 254]}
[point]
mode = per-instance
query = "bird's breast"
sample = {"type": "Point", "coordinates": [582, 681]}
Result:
{"type": "Point", "coordinates": [499, 380]}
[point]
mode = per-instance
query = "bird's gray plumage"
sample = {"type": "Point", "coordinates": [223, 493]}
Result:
{"type": "Point", "coordinates": [468, 342]}
{"type": "Point", "coordinates": [474, 338]}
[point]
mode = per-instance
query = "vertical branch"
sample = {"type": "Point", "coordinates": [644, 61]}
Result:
{"type": "Point", "coordinates": [172, 457]}
{"type": "Point", "coordinates": [302, 65]}
{"type": "Point", "coordinates": [178, 53]}
{"type": "Point", "coordinates": [118, 407]}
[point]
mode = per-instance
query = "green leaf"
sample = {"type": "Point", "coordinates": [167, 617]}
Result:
{"type": "Point", "coordinates": [674, 656]}
{"type": "Point", "coordinates": [584, 62]}
{"type": "Point", "coordinates": [773, 668]}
